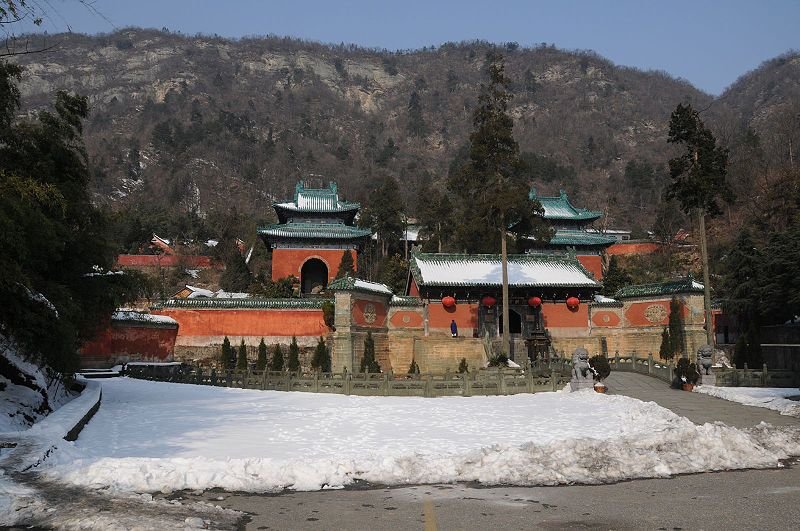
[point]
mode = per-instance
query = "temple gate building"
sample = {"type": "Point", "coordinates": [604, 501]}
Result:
{"type": "Point", "coordinates": [572, 230]}
{"type": "Point", "coordinates": [312, 233]}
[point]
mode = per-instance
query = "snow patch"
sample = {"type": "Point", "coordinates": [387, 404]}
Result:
{"type": "Point", "coordinates": [775, 398]}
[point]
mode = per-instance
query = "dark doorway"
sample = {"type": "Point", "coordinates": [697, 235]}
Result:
{"type": "Point", "coordinates": [313, 276]}
{"type": "Point", "coordinates": [514, 322]}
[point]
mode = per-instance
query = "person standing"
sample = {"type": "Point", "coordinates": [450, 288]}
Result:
{"type": "Point", "coordinates": [454, 328]}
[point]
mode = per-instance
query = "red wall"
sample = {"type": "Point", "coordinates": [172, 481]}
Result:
{"type": "Point", "coordinates": [406, 319]}
{"type": "Point", "coordinates": [359, 310]}
{"type": "Point", "coordinates": [287, 262]}
{"type": "Point", "coordinates": [238, 322]}
{"type": "Point", "coordinates": [621, 248]}
{"type": "Point", "coordinates": [557, 315]}
{"type": "Point", "coordinates": [135, 342]}
{"type": "Point", "coordinates": [153, 260]}
{"type": "Point", "coordinates": [593, 263]}
{"type": "Point", "coordinates": [465, 314]}
{"type": "Point", "coordinates": [605, 318]}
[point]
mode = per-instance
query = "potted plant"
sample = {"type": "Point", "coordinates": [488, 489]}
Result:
{"type": "Point", "coordinates": [686, 375]}
{"type": "Point", "coordinates": [601, 369]}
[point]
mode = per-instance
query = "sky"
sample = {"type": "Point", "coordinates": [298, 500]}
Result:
{"type": "Point", "coordinates": [708, 42]}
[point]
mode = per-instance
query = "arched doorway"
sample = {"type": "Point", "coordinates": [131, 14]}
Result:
{"type": "Point", "coordinates": [514, 322]}
{"type": "Point", "coordinates": [313, 276]}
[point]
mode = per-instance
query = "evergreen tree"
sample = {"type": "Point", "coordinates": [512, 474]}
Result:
{"type": "Point", "coordinates": [261, 363]}
{"type": "Point", "coordinates": [394, 273]}
{"type": "Point", "coordinates": [698, 182]}
{"type": "Point", "coordinates": [416, 123]}
{"type": "Point", "coordinates": [294, 356]}
{"type": "Point", "coordinates": [276, 363]}
{"type": "Point", "coordinates": [413, 368]}
{"type": "Point", "coordinates": [226, 355]}
{"type": "Point", "coordinates": [434, 213]}
{"type": "Point", "coordinates": [368, 361]}
{"type": "Point", "coordinates": [384, 214]}
{"type": "Point", "coordinates": [491, 187]}
{"type": "Point", "coordinates": [740, 352]}
{"type": "Point", "coordinates": [241, 360]}
{"type": "Point", "coordinates": [665, 350]}
{"type": "Point", "coordinates": [237, 276]}
{"type": "Point", "coordinates": [463, 366]}
{"type": "Point", "coordinates": [779, 277]}
{"type": "Point", "coordinates": [615, 278]}
{"type": "Point", "coordinates": [676, 333]}
{"type": "Point", "coordinates": [346, 266]}
{"type": "Point", "coordinates": [322, 357]}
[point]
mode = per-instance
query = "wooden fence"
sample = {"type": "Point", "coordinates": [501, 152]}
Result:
{"type": "Point", "coordinates": [726, 377]}
{"type": "Point", "coordinates": [541, 376]}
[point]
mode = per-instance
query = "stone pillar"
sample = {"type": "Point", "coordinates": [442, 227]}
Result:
{"type": "Point", "coordinates": [342, 355]}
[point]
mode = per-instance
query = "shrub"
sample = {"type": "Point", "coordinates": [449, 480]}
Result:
{"type": "Point", "coordinates": [276, 363]}
{"type": "Point", "coordinates": [368, 361]}
{"type": "Point", "coordinates": [600, 367]}
{"type": "Point", "coordinates": [322, 357]}
{"type": "Point", "coordinates": [500, 360]}
{"type": "Point", "coordinates": [261, 362]}
{"type": "Point", "coordinates": [686, 372]}
{"type": "Point", "coordinates": [241, 360]}
{"type": "Point", "coordinates": [328, 313]}
{"type": "Point", "coordinates": [413, 368]}
{"type": "Point", "coordinates": [226, 356]}
{"type": "Point", "coordinates": [462, 366]}
{"type": "Point", "coordinates": [294, 356]}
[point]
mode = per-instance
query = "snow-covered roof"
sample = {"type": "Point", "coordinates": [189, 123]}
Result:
{"type": "Point", "coordinates": [486, 270]}
{"type": "Point", "coordinates": [198, 292]}
{"type": "Point", "coordinates": [350, 283]}
{"type": "Point", "coordinates": [659, 289]}
{"type": "Point", "coordinates": [132, 316]}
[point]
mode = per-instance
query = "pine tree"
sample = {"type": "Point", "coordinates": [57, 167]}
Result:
{"type": "Point", "coordinates": [261, 363]}
{"type": "Point", "coordinates": [665, 350]}
{"type": "Point", "coordinates": [346, 266]}
{"type": "Point", "coordinates": [698, 182]}
{"type": "Point", "coordinates": [676, 333]}
{"type": "Point", "coordinates": [322, 357]}
{"type": "Point", "coordinates": [294, 356]}
{"type": "Point", "coordinates": [276, 363]}
{"type": "Point", "coordinates": [384, 214]}
{"type": "Point", "coordinates": [241, 360]}
{"type": "Point", "coordinates": [615, 278]}
{"type": "Point", "coordinates": [226, 355]}
{"type": "Point", "coordinates": [413, 368]}
{"type": "Point", "coordinates": [491, 187]}
{"type": "Point", "coordinates": [237, 276]}
{"type": "Point", "coordinates": [368, 361]}
{"type": "Point", "coordinates": [416, 123]}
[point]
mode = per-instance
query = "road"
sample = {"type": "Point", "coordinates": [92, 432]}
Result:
{"type": "Point", "coordinates": [751, 499]}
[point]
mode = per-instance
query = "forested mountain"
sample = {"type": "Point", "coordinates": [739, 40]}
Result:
{"type": "Point", "coordinates": [203, 124]}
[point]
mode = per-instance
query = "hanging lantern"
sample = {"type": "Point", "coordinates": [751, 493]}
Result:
{"type": "Point", "coordinates": [573, 303]}
{"type": "Point", "coordinates": [488, 301]}
{"type": "Point", "coordinates": [534, 302]}
{"type": "Point", "coordinates": [448, 302]}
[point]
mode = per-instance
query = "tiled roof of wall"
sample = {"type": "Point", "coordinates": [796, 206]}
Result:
{"type": "Point", "coordinates": [658, 289]}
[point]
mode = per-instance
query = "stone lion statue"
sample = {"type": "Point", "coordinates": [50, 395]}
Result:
{"type": "Point", "coordinates": [580, 365]}
{"type": "Point", "coordinates": [704, 358]}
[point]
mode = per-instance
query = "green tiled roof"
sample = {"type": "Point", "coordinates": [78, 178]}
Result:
{"type": "Point", "coordinates": [287, 304]}
{"type": "Point", "coordinates": [658, 289]}
{"type": "Point", "coordinates": [325, 231]}
{"type": "Point", "coordinates": [524, 270]}
{"type": "Point", "coordinates": [405, 302]}
{"type": "Point", "coordinates": [560, 208]}
{"type": "Point", "coordinates": [580, 237]}
{"type": "Point", "coordinates": [356, 284]}
{"type": "Point", "coordinates": [321, 200]}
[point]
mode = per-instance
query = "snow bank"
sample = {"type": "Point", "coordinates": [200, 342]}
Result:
{"type": "Point", "coordinates": [129, 315]}
{"type": "Point", "coordinates": [151, 436]}
{"type": "Point", "coordinates": [767, 397]}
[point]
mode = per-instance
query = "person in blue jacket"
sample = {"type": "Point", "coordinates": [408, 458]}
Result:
{"type": "Point", "coordinates": [454, 328]}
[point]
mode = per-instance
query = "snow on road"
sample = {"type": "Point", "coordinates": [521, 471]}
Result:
{"type": "Point", "coordinates": [151, 436]}
{"type": "Point", "coordinates": [768, 397]}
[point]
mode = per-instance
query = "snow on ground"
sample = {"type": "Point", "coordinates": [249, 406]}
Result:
{"type": "Point", "coordinates": [151, 436]}
{"type": "Point", "coordinates": [768, 397]}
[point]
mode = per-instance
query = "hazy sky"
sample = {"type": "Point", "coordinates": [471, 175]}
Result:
{"type": "Point", "coordinates": [710, 43]}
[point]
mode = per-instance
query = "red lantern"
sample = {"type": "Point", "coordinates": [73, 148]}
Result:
{"type": "Point", "coordinates": [488, 301]}
{"type": "Point", "coordinates": [448, 302]}
{"type": "Point", "coordinates": [573, 303]}
{"type": "Point", "coordinates": [534, 302]}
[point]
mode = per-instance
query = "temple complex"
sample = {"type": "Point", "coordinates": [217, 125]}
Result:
{"type": "Point", "coordinates": [572, 230]}
{"type": "Point", "coordinates": [312, 233]}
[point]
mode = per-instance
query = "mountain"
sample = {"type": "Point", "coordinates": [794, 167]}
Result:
{"type": "Point", "coordinates": [207, 124]}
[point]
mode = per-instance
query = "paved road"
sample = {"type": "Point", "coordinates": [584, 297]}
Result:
{"type": "Point", "coordinates": [698, 408]}
{"type": "Point", "coordinates": [751, 499]}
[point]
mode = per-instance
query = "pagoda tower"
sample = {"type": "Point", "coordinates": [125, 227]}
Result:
{"type": "Point", "coordinates": [313, 232]}
{"type": "Point", "coordinates": [573, 231]}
